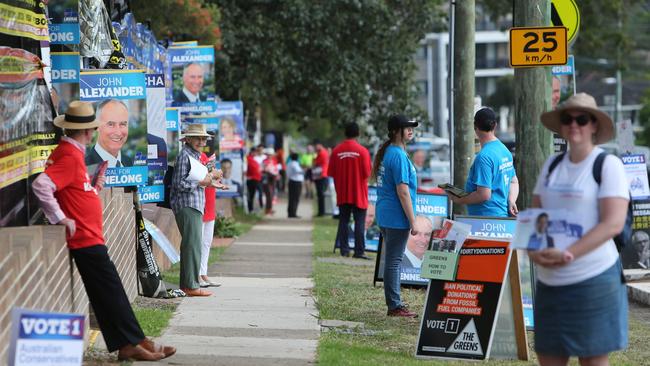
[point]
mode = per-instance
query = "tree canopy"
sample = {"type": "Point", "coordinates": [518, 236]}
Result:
{"type": "Point", "coordinates": [335, 61]}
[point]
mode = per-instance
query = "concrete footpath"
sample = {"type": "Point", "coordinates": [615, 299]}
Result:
{"type": "Point", "coordinates": [263, 314]}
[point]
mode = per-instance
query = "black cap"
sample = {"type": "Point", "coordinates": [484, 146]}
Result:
{"type": "Point", "coordinates": [485, 115]}
{"type": "Point", "coordinates": [399, 121]}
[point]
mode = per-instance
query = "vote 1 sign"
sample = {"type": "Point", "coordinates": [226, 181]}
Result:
{"type": "Point", "coordinates": [460, 316]}
{"type": "Point", "coordinates": [46, 338]}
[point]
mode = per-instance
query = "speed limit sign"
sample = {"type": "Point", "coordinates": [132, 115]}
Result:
{"type": "Point", "coordinates": [538, 46]}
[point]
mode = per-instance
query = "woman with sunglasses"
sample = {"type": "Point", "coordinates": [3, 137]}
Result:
{"type": "Point", "coordinates": [396, 192]}
{"type": "Point", "coordinates": [581, 300]}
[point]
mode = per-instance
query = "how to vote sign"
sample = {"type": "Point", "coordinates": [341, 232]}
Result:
{"type": "Point", "coordinates": [538, 46]}
{"type": "Point", "coordinates": [460, 316]}
{"type": "Point", "coordinates": [40, 338]}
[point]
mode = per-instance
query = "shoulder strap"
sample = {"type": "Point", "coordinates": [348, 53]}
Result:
{"type": "Point", "coordinates": [598, 166]}
{"type": "Point", "coordinates": [554, 164]}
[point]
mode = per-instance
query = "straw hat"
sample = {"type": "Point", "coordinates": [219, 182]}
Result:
{"type": "Point", "coordinates": [585, 103]}
{"type": "Point", "coordinates": [79, 116]}
{"type": "Point", "coordinates": [195, 130]}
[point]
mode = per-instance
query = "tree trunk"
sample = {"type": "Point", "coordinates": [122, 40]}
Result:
{"type": "Point", "coordinates": [532, 97]}
{"type": "Point", "coordinates": [464, 65]}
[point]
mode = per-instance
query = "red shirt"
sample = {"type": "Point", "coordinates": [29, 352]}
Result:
{"type": "Point", "coordinates": [350, 168]}
{"type": "Point", "coordinates": [209, 212]}
{"type": "Point", "coordinates": [254, 171]}
{"type": "Point", "coordinates": [321, 160]}
{"type": "Point", "coordinates": [76, 196]}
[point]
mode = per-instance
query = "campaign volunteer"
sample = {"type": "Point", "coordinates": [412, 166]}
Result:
{"type": "Point", "coordinates": [67, 197]}
{"type": "Point", "coordinates": [349, 166]}
{"type": "Point", "coordinates": [396, 193]}
{"type": "Point", "coordinates": [492, 183]}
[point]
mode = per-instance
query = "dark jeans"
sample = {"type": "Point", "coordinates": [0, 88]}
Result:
{"type": "Point", "coordinates": [295, 189]}
{"type": "Point", "coordinates": [321, 187]}
{"type": "Point", "coordinates": [394, 242]}
{"type": "Point", "coordinates": [345, 211]}
{"type": "Point", "coordinates": [107, 297]}
{"type": "Point", "coordinates": [269, 192]}
{"type": "Point", "coordinates": [253, 186]}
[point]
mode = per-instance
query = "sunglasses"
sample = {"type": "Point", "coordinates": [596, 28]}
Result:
{"type": "Point", "coordinates": [581, 120]}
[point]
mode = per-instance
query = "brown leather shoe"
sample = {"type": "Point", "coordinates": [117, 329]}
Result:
{"type": "Point", "coordinates": [402, 311]}
{"type": "Point", "coordinates": [138, 353]}
{"type": "Point", "coordinates": [196, 292]}
{"type": "Point", "coordinates": [151, 346]}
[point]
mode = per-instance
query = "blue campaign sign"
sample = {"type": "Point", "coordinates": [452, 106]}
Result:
{"type": "Point", "coordinates": [208, 119]}
{"type": "Point", "coordinates": [183, 55]}
{"type": "Point", "coordinates": [64, 33]}
{"type": "Point", "coordinates": [172, 118]}
{"type": "Point", "coordinates": [150, 194]}
{"type": "Point", "coordinates": [567, 69]}
{"type": "Point", "coordinates": [65, 67]}
{"type": "Point", "coordinates": [100, 85]}
{"type": "Point", "coordinates": [431, 205]}
{"type": "Point", "coordinates": [40, 338]}
{"type": "Point", "coordinates": [197, 107]}
{"type": "Point", "coordinates": [490, 227]}
{"type": "Point", "coordinates": [127, 176]}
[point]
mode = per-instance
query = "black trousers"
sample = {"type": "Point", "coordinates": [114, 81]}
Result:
{"type": "Point", "coordinates": [253, 186]}
{"type": "Point", "coordinates": [269, 192]}
{"type": "Point", "coordinates": [107, 297]}
{"type": "Point", "coordinates": [345, 211]}
{"type": "Point", "coordinates": [295, 189]}
{"type": "Point", "coordinates": [321, 187]}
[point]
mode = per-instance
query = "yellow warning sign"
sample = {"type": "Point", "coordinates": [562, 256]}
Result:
{"type": "Point", "coordinates": [538, 46]}
{"type": "Point", "coordinates": [565, 13]}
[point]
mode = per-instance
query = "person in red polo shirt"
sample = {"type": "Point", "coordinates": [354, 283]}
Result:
{"type": "Point", "coordinates": [68, 197]}
{"type": "Point", "coordinates": [319, 175]}
{"type": "Point", "coordinates": [349, 166]}
{"type": "Point", "coordinates": [253, 178]}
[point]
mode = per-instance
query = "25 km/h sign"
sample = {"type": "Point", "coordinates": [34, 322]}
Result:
{"type": "Point", "coordinates": [538, 46]}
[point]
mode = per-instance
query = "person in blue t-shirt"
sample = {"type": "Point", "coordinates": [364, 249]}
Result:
{"type": "Point", "coordinates": [396, 192]}
{"type": "Point", "coordinates": [492, 183]}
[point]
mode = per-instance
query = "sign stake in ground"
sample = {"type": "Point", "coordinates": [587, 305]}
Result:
{"type": "Point", "coordinates": [538, 46]}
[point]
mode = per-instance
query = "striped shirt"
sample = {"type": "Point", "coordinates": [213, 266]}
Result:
{"type": "Point", "coordinates": [186, 193]}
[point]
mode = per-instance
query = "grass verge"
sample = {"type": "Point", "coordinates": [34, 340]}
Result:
{"type": "Point", "coordinates": [345, 292]}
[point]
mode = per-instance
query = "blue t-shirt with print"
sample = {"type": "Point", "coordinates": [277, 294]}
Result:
{"type": "Point", "coordinates": [492, 168]}
{"type": "Point", "coordinates": [396, 168]}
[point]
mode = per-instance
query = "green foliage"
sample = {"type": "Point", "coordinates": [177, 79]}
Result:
{"type": "Point", "coordinates": [226, 227]}
{"type": "Point", "coordinates": [181, 20]}
{"type": "Point", "coordinates": [644, 119]}
{"type": "Point", "coordinates": [310, 62]}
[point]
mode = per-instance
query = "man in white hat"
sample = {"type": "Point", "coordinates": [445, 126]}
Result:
{"type": "Point", "coordinates": [188, 203]}
{"type": "Point", "coordinates": [78, 207]}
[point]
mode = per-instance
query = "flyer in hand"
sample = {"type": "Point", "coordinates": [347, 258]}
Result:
{"type": "Point", "coordinates": [539, 228]}
{"type": "Point", "coordinates": [440, 260]}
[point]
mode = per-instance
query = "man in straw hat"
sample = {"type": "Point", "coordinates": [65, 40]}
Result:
{"type": "Point", "coordinates": [188, 204]}
{"type": "Point", "coordinates": [77, 206]}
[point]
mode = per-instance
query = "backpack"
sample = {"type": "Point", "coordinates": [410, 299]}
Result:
{"type": "Point", "coordinates": [624, 237]}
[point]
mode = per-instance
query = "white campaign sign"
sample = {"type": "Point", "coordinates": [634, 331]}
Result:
{"type": "Point", "coordinates": [467, 341]}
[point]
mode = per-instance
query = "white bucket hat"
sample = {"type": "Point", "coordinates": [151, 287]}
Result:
{"type": "Point", "coordinates": [585, 103]}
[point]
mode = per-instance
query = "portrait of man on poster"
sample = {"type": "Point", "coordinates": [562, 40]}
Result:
{"type": "Point", "coordinates": [192, 90]}
{"type": "Point", "coordinates": [112, 134]}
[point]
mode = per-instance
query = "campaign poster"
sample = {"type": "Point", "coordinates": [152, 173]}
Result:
{"type": "Point", "coordinates": [430, 211]}
{"type": "Point", "coordinates": [231, 128]}
{"type": "Point", "coordinates": [39, 338]}
{"type": "Point", "coordinates": [65, 79]}
{"type": "Point", "coordinates": [460, 316]}
{"type": "Point", "coordinates": [192, 70]}
{"type": "Point", "coordinates": [64, 22]}
{"type": "Point", "coordinates": [173, 124]}
{"type": "Point", "coordinates": [504, 228]}
{"type": "Point", "coordinates": [231, 164]}
{"type": "Point", "coordinates": [156, 140]}
{"type": "Point", "coordinates": [121, 139]}
{"type": "Point", "coordinates": [26, 133]}
{"type": "Point", "coordinates": [636, 254]}
{"type": "Point", "coordinates": [563, 86]}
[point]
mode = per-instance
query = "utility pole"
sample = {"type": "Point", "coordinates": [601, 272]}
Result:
{"type": "Point", "coordinates": [464, 62]}
{"type": "Point", "coordinates": [532, 97]}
